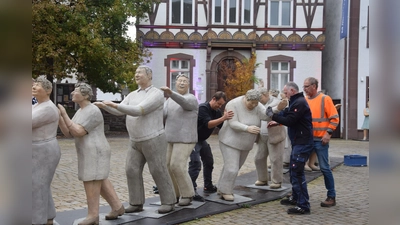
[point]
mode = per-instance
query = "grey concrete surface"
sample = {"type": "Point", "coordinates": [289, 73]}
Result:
{"type": "Point", "coordinates": [352, 186]}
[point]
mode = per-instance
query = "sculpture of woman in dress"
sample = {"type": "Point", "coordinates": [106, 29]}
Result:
{"type": "Point", "coordinates": [45, 151]}
{"type": "Point", "coordinates": [94, 153]}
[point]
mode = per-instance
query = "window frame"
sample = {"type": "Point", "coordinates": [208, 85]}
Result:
{"type": "Point", "coordinates": [222, 12]}
{"type": "Point", "coordinates": [279, 59]}
{"type": "Point", "coordinates": [280, 13]}
{"type": "Point", "coordinates": [170, 70]}
{"type": "Point", "coordinates": [251, 12]}
{"type": "Point", "coordinates": [182, 13]}
{"type": "Point", "coordinates": [279, 72]}
{"type": "Point", "coordinates": [236, 12]}
{"type": "Point", "coordinates": [176, 71]}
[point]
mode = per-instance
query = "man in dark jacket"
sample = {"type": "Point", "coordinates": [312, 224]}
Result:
{"type": "Point", "coordinates": [209, 117]}
{"type": "Point", "coordinates": [297, 117]}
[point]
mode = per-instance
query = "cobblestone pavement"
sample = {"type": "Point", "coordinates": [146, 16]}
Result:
{"type": "Point", "coordinates": [352, 187]}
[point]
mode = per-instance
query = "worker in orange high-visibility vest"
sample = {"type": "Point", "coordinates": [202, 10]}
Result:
{"type": "Point", "coordinates": [325, 119]}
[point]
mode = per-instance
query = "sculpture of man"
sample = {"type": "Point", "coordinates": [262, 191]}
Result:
{"type": "Point", "coordinates": [271, 143]}
{"type": "Point", "coordinates": [144, 121]}
{"type": "Point", "coordinates": [237, 137]}
{"type": "Point", "coordinates": [180, 115]}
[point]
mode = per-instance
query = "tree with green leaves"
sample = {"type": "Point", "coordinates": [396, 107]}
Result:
{"type": "Point", "coordinates": [87, 38]}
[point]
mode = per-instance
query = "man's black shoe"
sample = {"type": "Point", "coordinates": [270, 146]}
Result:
{"type": "Point", "coordinates": [198, 198]}
{"type": "Point", "coordinates": [288, 201]}
{"type": "Point", "coordinates": [211, 189]}
{"type": "Point", "coordinates": [155, 190]}
{"type": "Point", "coordinates": [298, 211]}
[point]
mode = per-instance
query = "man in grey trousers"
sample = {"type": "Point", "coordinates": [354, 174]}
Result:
{"type": "Point", "coordinates": [144, 122]}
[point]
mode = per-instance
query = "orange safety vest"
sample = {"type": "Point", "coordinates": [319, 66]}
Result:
{"type": "Point", "coordinates": [324, 115]}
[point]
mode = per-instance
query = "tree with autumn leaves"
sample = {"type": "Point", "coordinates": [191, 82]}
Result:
{"type": "Point", "coordinates": [240, 77]}
{"type": "Point", "coordinates": [87, 38]}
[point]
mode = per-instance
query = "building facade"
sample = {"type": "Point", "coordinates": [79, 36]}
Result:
{"type": "Point", "coordinates": [196, 36]}
{"type": "Point", "coordinates": [345, 73]}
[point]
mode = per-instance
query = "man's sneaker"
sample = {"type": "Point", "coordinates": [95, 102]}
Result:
{"type": "Point", "coordinates": [211, 189]}
{"type": "Point", "coordinates": [198, 198]}
{"type": "Point", "coordinates": [288, 201]}
{"type": "Point", "coordinates": [298, 211]}
{"type": "Point", "coordinates": [155, 190]}
{"type": "Point", "coordinates": [328, 202]}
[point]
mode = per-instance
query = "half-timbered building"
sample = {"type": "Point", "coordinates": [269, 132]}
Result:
{"type": "Point", "coordinates": [196, 36]}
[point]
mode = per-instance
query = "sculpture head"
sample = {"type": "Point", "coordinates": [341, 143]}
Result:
{"type": "Point", "coordinates": [252, 98]}
{"type": "Point", "coordinates": [41, 88]}
{"type": "Point", "coordinates": [274, 92]}
{"type": "Point", "coordinates": [264, 95]}
{"type": "Point", "coordinates": [143, 76]}
{"type": "Point", "coordinates": [182, 83]}
{"type": "Point", "coordinates": [82, 92]}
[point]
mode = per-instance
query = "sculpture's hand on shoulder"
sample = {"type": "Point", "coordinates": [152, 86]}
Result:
{"type": "Point", "coordinates": [167, 91]}
{"type": "Point", "coordinates": [282, 104]}
{"type": "Point", "coordinates": [110, 104]}
{"type": "Point", "coordinates": [99, 104]}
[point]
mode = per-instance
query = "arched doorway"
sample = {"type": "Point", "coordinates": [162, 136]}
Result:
{"type": "Point", "coordinates": [224, 67]}
{"type": "Point", "coordinates": [217, 79]}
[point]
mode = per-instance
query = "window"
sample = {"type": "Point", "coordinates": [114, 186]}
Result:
{"type": "Point", "coordinates": [182, 11]}
{"type": "Point", "coordinates": [176, 64]}
{"type": "Point", "coordinates": [63, 95]}
{"type": "Point", "coordinates": [218, 11]}
{"type": "Point", "coordinates": [232, 6]}
{"type": "Point", "coordinates": [178, 67]}
{"type": "Point", "coordinates": [279, 75]}
{"type": "Point", "coordinates": [280, 71]}
{"type": "Point", "coordinates": [247, 11]}
{"type": "Point", "coordinates": [232, 11]}
{"type": "Point", "coordinates": [280, 12]}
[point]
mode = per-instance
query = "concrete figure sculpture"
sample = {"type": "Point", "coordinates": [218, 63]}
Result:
{"type": "Point", "coordinates": [144, 121]}
{"type": "Point", "coordinates": [180, 115]}
{"type": "Point", "coordinates": [271, 143]}
{"type": "Point", "coordinates": [45, 151]}
{"type": "Point", "coordinates": [94, 153]}
{"type": "Point", "coordinates": [237, 137]}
